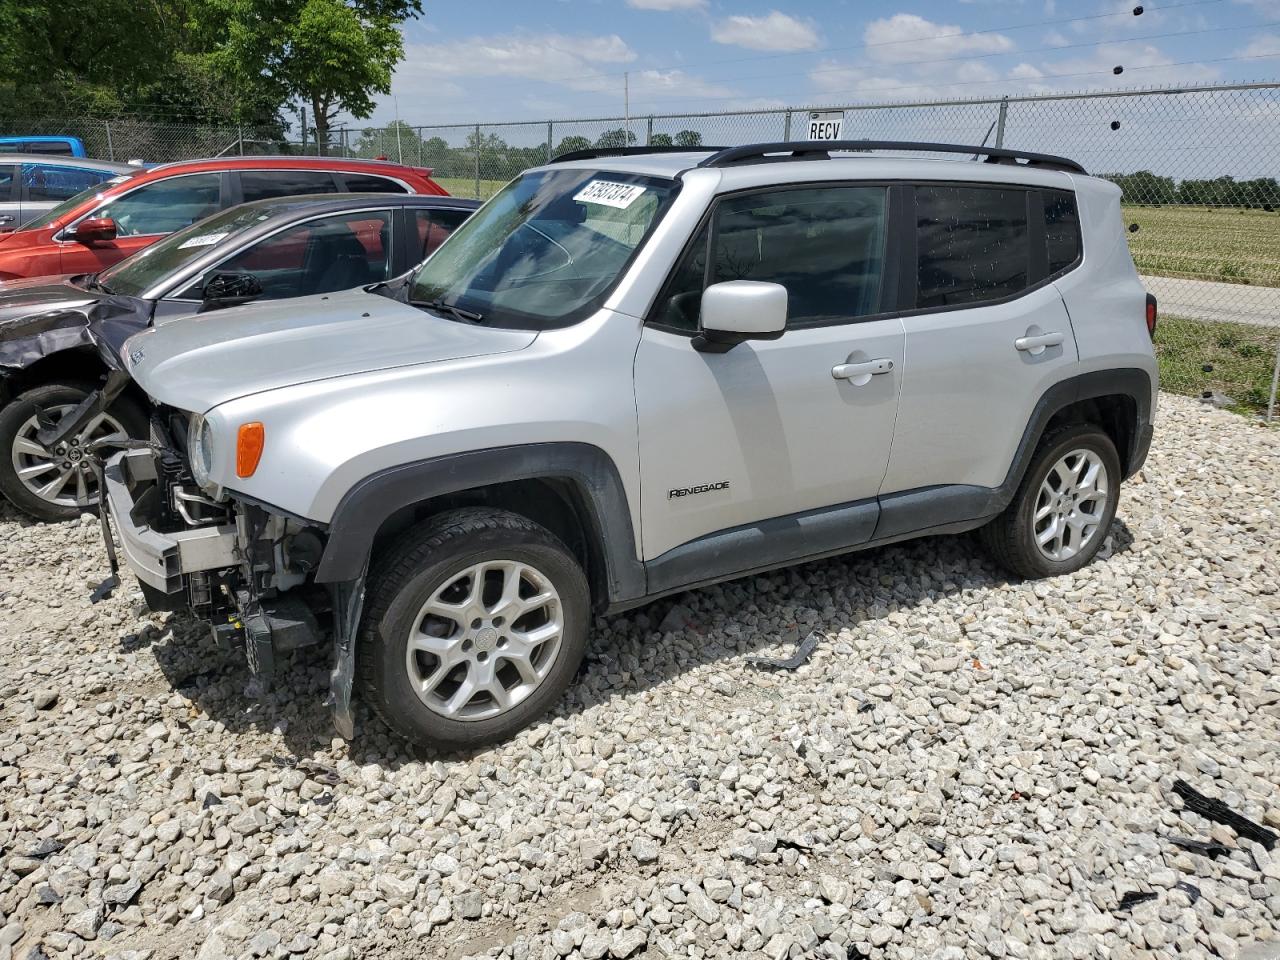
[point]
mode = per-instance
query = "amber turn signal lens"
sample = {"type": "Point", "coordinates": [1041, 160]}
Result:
{"type": "Point", "coordinates": [249, 443]}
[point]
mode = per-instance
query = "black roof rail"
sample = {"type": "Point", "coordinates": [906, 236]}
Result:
{"type": "Point", "coordinates": [595, 153]}
{"type": "Point", "coordinates": [821, 150]}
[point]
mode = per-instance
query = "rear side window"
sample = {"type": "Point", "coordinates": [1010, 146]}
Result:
{"type": "Point", "coordinates": [266, 184]}
{"type": "Point", "coordinates": [972, 244]}
{"type": "Point", "coordinates": [434, 226]}
{"type": "Point", "coordinates": [47, 183]}
{"type": "Point", "coordinates": [361, 183]}
{"type": "Point", "coordinates": [56, 148]}
{"type": "Point", "coordinates": [1061, 230]}
{"type": "Point", "coordinates": [6, 184]}
{"type": "Point", "coordinates": [824, 244]}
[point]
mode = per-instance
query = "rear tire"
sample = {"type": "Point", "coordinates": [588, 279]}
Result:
{"type": "Point", "coordinates": [25, 471]}
{"type": "Point", "coordinates": [474, 596]}
{"type": "Point", "coordinates": [1059, 518]}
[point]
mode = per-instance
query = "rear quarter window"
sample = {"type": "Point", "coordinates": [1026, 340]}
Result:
{"type": "Point", "coordinates": [365, 183]}
{"type": "Point", "coordinates": [972, 244]}
{"type": "Point", "coordinates": [1062, 230]}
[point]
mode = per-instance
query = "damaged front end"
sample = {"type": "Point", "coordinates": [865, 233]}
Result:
{"type": "Point", "coordinates": [244, 568]}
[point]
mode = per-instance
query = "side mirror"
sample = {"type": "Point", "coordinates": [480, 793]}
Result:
{"type": "Point", "coordinates": [229, 290]}
{"type": "Point", "coordinates": [95, 230]}
{"type": "Point", "coordinates": [739, 310]}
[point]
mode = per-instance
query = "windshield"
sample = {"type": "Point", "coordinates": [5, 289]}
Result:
{"type": "Point", "coordinates": [152, 264]}
{"type": "Point", "coordinates": [49, 216]}
{"type": "Point", "coordinates": [545, 248]}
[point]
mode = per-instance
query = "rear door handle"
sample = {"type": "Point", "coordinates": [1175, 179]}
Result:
{"type": "Point", "coordinates": [5, 218]}
{"type": "Point", "coordinates": [1036, 345]}
{"type": "Point", "coordinates": [851, 371]}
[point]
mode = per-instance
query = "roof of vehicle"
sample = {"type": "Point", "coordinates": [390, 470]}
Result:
{"type": "Point", "coordinates": [287, 163]}
{"type": "Point", "coordinates": [310, 204]}
{"type": "Point", "coordinates": [900, 160]}
{"type": "Point", "coordinates": [38, 138]}
{"type": "Point", "coordinates": [66, 160]}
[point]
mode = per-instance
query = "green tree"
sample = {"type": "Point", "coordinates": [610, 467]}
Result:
{"type": "Point", "coordinates": [661, 140]}
{"type": "Point", "coordinates": [570, 144]}
{"type": "Point", "coordinates": [1144, 187]}
{"type": "Point", "coordinates": [688, 138]}
{"type": "Point", "coordinates": [616, 138]}
{"type": "Point", "coordinates": [396, 141]}
{"type": "Point", "coordinates": [334, 55]}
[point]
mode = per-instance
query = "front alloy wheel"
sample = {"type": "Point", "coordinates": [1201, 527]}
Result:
{"type": "Point", "coordinates": [486, 640]}
{"type": "Point", "coordinates": [476, 623]}
{"type": "Point", "coordinates": [57, 484]}
{"type": "Point", "coordinates": [61, 477]}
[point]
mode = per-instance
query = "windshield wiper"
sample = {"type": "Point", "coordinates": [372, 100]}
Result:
{"type": "Point", "coordinates": [456, 312]}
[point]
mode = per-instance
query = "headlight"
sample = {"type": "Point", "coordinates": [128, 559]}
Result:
{"type": "Point", "coordinates": [200, 449]}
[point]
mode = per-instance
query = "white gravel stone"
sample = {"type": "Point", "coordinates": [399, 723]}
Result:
{"type": "Point", "coordinates": [967, 766]}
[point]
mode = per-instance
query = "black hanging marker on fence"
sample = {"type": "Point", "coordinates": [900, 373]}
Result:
{"type": "Point", "coordinates": [1133, 228]}
{"type": "Point", "coordinates": [1117, 70]}
{"type": "Point", "coordinates": [1115, 124]}
{"type": "Point", "coordinates": [1137, 11]}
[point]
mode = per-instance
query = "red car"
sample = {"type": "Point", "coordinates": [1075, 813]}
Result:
{"type": "Point", "coordinates": [112, 220]}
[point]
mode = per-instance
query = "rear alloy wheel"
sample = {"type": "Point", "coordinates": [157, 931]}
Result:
{"type": "Point", "coordinates": [1064, 506]}
{"type": "Point", "coordinates": [477, 622]}
{"type": "Point", "coordinates": [56, 484]}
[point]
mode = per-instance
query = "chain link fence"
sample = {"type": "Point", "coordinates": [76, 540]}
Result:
{"type": "Point", "coordinates": [1199, 167]}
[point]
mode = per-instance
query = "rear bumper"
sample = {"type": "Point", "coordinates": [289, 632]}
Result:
{"type": "Point", "coordinates": [161, 560]}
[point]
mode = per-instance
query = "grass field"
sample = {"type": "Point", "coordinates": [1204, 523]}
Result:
{"type": "Point", "coordinates": [462, 187]}
{"type": "Point", "coordinates": [1239, 357]}
{"type": "Point", "coordinates": [1230, 245]}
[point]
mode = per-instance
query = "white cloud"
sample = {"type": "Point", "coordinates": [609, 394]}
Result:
{"type": "Point", "coordinates": [906, 37]}
{"type": "Point", "coordinates": [774, 31]}
{"type": "Point", "coordinates": [1054, 38]}
{"type": "Point", "coordinates": [667, 4]}
{"type": "Point", "coordinates": [665, 84]}
{"type": "Point", "coordinates": [1025, 71]}
{"type": "Point", "coordinates": [1267, 45]}
{"type": "Point", "coordinates": [1144, 65]}
{"type": "Point", "coordinates": [546, 56]}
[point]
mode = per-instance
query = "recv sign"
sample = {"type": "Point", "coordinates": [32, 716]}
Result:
{"type": "Point", "coordinates": [826, 125]}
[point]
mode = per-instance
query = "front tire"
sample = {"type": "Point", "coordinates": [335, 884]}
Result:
{"type": "Point", "coordinates": [1064, 506]}
{"type": "Point", "coordinates": [56, 487]}
{"type": "Point", "coordinates": [477, 622]}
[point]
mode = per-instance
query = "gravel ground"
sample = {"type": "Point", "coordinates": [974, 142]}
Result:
{"type": "Point", "coordinates": [966, 767]}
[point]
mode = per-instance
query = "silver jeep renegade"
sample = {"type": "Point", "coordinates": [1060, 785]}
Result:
{"type": "Point", "coordinates": [629, 374]}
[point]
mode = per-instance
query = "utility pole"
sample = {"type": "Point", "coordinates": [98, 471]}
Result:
{"type": "Point", "coordinates": [302, 112]}
{"type": "Point", "coordinates": [399, 152]}
{"type": "Point", "coordinates": [626, 108]}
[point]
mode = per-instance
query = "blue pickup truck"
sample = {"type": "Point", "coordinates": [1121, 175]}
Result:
{"type": "Point", "coordinates": [47, 146]}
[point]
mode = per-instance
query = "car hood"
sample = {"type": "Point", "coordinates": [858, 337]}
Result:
{"type": "Point", "coordinates": [201, 361]}
{"type": "Point", "coordinates": [22, 298]}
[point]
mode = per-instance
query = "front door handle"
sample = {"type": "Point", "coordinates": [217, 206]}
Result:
{"type": "Point", "coordinates": [5, 218]}
{"type": "Point", "coordinates": [1035, 345]}
{"type": "Point", "coordinates": [866, 368]}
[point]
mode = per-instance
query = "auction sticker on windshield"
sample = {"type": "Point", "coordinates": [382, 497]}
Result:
{"type": "Point", "coordinates": [208, 240]}
{"type": "Point", "coordinates": [609, 194]}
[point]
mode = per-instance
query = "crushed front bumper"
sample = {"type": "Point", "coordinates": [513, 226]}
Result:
{"type": "Point", "coordinates": [161, 560]}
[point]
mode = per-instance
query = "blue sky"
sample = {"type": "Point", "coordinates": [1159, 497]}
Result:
{"type": "Point", "coordinates": [540, 59]}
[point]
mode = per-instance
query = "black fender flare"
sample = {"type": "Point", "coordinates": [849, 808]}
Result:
{"type": "Point", "coordinates": [1132, 382]}
{"type": "Point", "coordinates": [595, 477]}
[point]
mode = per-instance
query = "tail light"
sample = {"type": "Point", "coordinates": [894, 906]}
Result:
{"type": "Point", "coordinates": [1152, 315]}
